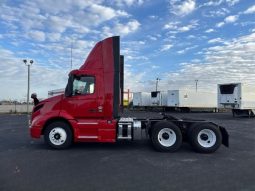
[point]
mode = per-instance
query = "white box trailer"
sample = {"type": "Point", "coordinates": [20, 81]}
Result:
{"type": "Point", "coordinates": [52, 93]}
{"type": "Point", "coordinates": [239, 97]}
{"type": "Point", "coordinates": [141, 99]}
{"type": "Point", "coordinates": [158, 98]}
{"type": "Point", "coordinates": [187, 99]}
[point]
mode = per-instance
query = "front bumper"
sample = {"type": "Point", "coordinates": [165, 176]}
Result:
{"type": "Point", "coordinates": [35, 131]}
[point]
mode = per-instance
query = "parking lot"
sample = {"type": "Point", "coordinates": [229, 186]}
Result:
{"type": "Point", "coordinates": [28, 164]}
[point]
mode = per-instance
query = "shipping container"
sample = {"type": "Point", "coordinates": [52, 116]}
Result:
{"type": "Point", "coordinates": [141, 99]}
{"type": "Point", "coordinates": [191, 99]}
{"type": "Point", "coordinates": [158, 98]}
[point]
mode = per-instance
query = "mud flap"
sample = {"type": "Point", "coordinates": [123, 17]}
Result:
{"type": "Point", "coordinates": [225, 136]}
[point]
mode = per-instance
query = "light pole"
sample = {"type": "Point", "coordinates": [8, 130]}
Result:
{"type": "Point", "coordinates": [157, 80]}
{"type": "Point", "coordinates": [196, 84]}
{"type": "Point", "coordinates": [28, 64]}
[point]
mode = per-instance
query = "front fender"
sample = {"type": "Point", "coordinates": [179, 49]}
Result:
{"type": "Point", "coordinates": [66, 115]}
{"type": "Point", "coordinates": [39, 122]}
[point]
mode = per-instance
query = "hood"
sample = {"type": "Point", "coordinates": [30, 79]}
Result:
{"type": "Point", "coordinates": [53, 99]}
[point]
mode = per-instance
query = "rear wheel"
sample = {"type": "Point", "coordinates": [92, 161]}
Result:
{"type": "Point", "coordinates": [205, 138]}
{"type": "Point", "coordinates": [58, 135]}
{"type": "Point", "coordinates": [166, 136]}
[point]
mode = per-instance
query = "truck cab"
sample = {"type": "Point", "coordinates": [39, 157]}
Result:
{"type": "Point", "coordinates": [91, 102]}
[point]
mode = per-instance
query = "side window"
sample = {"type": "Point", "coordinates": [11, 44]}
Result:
{"type": "Point", "coordinates": [83, 85]}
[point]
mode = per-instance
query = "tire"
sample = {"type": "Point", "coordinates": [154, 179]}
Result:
{"type": "Point", "coordinates": [166, 137]}
{"type": "Point", "coordinates": [205, 138]}
{"type": "Point", "coordinates": [58, 135]}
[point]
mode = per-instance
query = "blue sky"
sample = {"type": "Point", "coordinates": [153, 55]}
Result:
{"type": "Point", "coordinates": [179, 41]}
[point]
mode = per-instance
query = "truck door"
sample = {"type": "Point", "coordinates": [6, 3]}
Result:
{"type": "Point", "coordinates": [85, 105]}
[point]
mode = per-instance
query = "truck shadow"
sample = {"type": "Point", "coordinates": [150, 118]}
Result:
{"type": "Point", "coordinates": [141, 146]}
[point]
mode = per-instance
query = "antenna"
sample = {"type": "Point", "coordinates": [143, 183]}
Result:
{"type": "Point", "coordinates": [71, 54]}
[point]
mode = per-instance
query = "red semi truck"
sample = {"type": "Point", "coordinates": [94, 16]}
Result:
{"type": "Point", "coordinates": [90, 108]}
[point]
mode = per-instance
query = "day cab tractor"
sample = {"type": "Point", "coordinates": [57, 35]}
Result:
{"type": "Point", "coordinates": [90, 111]}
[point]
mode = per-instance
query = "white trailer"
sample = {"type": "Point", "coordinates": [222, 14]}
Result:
{"type": "Point", "coordinates": [52, 93]}
{"type": "Point", "coordinates": [239, 97]}
{"type": "Point", "coordinates": [185, 100]}
{"type": "Point", "coordinates": [158, 98]}
{"type": "Point", "coordinates": [141, 99]}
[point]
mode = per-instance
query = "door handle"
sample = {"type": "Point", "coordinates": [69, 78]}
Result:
{"type": "Point", "coordinates": [92, 110]}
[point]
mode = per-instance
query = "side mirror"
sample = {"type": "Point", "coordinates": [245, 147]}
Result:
{"type": "Point", "coordinates": [34, 97]}
{"type": "Point", "coordinates": [69, 86]}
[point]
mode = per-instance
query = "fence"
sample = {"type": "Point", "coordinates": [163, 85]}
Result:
{"type": "Point", "coordinates": [15, 108]}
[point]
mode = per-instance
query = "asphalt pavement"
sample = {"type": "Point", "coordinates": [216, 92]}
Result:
{"type": "Point", "coordinates": [28, 164]}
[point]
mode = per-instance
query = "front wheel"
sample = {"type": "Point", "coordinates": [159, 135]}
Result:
{"type": "Point", "coordinates": [166, 137]}
{"type": "Point", "coordinates": [58, 135]}
{"type": "Point", "coordinates": [205, 138]}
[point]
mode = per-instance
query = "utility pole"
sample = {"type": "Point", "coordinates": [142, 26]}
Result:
{"type": "Point", "coordinates": [28, 64]}
{"type": "Point", "coordinates": [196, 84]}
{"type": "Point", "coordinates": [157, 81]}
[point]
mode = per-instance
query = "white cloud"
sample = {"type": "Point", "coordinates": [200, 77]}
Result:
{"type": "Point", "coordinates": [215, 40]}
{"type": "Point", "coordinates": [217, 13]}
{"type": "Point", "coordinates": [152, 37]}
{"type": "Point", "coordinates": [122, 29]}
{"type": "Point", "coordinates": [232, 2]}
{"type": "Point", "coordinates": [219, 2]}
{"type": "Point", "coordinates": [153, 16]}
{"type": "Point", "coordinates": [59, 24]}
{"type": "Point", "coordinates": [182, 8]}
{"type": "Point", "coordinates": [232, 62]}
{"type": "Point", "coordinates": [210, 30]}
{"type": "Point", "coordinates": [59, 16]}
{"type": "Point", "coordinates": [105, 13]}
{"type": "Point", "coordinates": [250, 10]}
{"type": "Point", "coordinates": [166, 47]}
{"type": "Point", "coordinates": [128, 2]}
{"type": "Point", "coordinates": [37, 35]}
{"type": "Point", "coordinates": [14, 77]}
{"type": "Point", "coordinates": [231, 19]}
{"type": "Point", "coordinates": [53, 37]}
{"type": "Point", "coordinates": [213, 3]}
{"type": "Point", "coordinates": [171, 25]}
{"type": "Point", "coordinates": [228, 19]}
{"type": "Point", "coordinates": [154, 66]}
{"type": "Point", "coordinates": [47, 28]}
{"type": "Point", "coordinates": [220, 24]}
{"type": "Point", "coordinates": [186, 28]}
{"type": "Point", "coordinates": [175, 27]}
{"type": "Point", "coordinates": [186, 49]}
{"type": "Point", "coordinates": [132, 81]}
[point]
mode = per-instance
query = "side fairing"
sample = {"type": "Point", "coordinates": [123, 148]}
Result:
{"type": "Point", "coordinates": [105, 58]}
